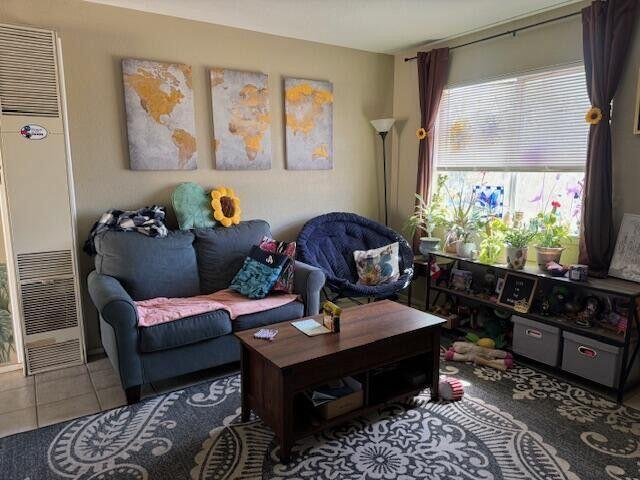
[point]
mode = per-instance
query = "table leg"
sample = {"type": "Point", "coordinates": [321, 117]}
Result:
{"type": "Point", "coordinates": [285, 421]}
{"type": "Point", "coordinates": [435, 365]}
{"type": "Point", "coordinates": [244, 379]}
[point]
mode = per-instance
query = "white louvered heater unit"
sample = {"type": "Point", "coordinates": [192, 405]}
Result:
{"type": "Point", "coordinates": [38, 184]}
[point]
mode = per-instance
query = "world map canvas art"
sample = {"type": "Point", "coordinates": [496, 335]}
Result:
{"type": "Point", "coordinates": [309, 124]}
{"type": "Point", "coordinates": [160, 115]}
{"type": "Point", "coordinates": [241, 119]}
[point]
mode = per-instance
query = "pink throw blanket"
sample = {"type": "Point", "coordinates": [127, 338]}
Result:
{"type": "Point", "coordinates": [161, 310]}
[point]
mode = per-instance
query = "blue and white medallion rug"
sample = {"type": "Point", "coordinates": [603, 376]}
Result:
{"type": "Point", "coordinates": [522, 424]}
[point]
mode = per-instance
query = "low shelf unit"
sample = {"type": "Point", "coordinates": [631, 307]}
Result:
{"type": "Point", "coordinates": [609, 289]}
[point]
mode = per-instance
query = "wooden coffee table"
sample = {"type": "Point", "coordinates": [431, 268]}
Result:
{"type": "Point", "coordinates": [276, 374]}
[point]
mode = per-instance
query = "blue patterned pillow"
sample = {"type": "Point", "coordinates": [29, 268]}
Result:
{"type": "Point", "coordinates": [259, 273]}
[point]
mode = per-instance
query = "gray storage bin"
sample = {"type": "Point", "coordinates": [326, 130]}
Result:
{"type": "Point", "coordinates": [536, 340]}
{"type": "Point", "coordinates": [591, 359]}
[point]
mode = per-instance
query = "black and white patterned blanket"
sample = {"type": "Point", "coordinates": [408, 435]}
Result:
{"type": "Point", "coordinates": [148, 221]}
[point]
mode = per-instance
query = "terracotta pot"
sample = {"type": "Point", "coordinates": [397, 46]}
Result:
{"type": "Point", "coordinates": [548, 254]}
{"type": "Point", "coordinates": [517, 257]}
{"type": "Point", "coordinates": [428, 245]}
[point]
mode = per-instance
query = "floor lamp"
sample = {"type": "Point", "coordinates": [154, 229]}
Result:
{"type": "Point", "coordinates": [382, 126]}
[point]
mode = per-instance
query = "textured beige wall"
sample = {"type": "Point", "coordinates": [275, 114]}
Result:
{"type": "Point", "coordinates": [552, 44]}
{"type": "Point", "coordinates": [95, 39]}
{"type": "Point", "coordinates": [626, 145]}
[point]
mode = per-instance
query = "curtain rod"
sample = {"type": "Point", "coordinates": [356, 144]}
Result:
{"type": "Point", "coordinates": [509, 32]}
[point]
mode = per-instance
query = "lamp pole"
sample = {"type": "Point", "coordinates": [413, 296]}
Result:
{"type": "Point", "coordinates": [382, 126]}
{"type": "Point", "coordinates": [383, 135]}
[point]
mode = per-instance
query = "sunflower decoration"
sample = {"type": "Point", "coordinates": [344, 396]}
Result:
{"type": "Point", "coordinates": [226, 206]}
{"type": "Point", "coordinates": [421, 133]}
{"type": "Point", "coordinates": [593, 116]}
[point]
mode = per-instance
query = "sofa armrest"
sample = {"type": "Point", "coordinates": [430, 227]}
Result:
{"type": "Point", "coordinates": [117, 309]}
{"type": "Point", "coordinates": [307, 282]}
{"type": "Point", "coordinates": [113, 302]}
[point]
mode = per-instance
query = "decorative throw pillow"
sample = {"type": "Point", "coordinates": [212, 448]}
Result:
{"type": "Point", "coordinates": [192, 207]}
{"type": "Point", "coordinates": [380, 265]}
{"type": "Point", "coordinates": [259, 273]}
{"type": "Point", "coordinates": [285, 281]}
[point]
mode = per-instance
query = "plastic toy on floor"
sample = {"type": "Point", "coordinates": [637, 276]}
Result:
{"type": "Point", "coordinates": [451, 389]}
{"type": "Point", "coordinates": [468, 352]}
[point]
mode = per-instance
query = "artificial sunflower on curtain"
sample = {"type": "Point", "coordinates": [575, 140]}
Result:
{"type": "Point", "coordinates": [226, 206]}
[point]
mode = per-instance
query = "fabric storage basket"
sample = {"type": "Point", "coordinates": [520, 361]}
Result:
{"type": "Point", "coordinates": [536, 340]}
{"type": "Point", "coordinates": [591, 359]}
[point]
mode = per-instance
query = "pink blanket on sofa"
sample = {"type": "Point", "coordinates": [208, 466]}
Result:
{"type": "Point", "coordinates": [161, 310]}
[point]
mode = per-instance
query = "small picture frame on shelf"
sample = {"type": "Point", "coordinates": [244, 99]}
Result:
{"type": "Point", "coordinates": [517, 292]}
{"type": "Point", "coordinates": [499, 284]}
{"type": "Point", "coordinates": [461, 280]}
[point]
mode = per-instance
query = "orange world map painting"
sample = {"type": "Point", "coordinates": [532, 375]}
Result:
{"type": "Point", "coordinates": [160, 115]}
{"type": "Point", "coordinates": [309, 124]}
{"type": "Point", "coordinates": [241, 119]}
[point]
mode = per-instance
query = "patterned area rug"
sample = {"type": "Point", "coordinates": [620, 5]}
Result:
{"type": "Point", "coordinates": [523, 424]}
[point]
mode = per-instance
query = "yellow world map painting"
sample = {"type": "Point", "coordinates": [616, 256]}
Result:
{"type": "Point", "coordinates": [309, 124]}
{"type": "Point", "coordinates": [241, 119]}
{"type": "Point", "coordinates": [160, 115]}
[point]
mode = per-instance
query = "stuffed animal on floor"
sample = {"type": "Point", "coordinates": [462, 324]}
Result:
{"type": "Point", "coordinates": [468, 352]}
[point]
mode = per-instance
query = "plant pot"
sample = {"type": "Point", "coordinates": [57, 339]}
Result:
{"type": "Point", "coordinates": [517, 257]}
{"type": "Point", "coordinates": [451, 242]}
{"type": "Point", "coordinates": [467, 250]}
{"type": "Point", "coordinates": [428, 245]}
{"type": "Point", "coordinates": [548, 254]}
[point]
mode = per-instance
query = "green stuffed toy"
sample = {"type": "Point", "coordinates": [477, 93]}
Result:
{"type": "Point", "coordinates": [192, 206]}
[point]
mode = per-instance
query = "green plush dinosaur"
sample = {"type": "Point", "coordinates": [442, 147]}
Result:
{"type": "Point", "coordinates": [192, 206]}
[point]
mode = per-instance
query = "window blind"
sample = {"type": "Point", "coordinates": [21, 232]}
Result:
{"type": "Point", "coordinates": [530, 122]}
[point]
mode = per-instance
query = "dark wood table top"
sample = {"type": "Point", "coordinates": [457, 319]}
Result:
{"type": "Point", "coordinates": [359, 326]}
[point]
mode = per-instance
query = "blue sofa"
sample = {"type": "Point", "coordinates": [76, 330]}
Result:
{"type": "Point", "coordinates": [132, 267]}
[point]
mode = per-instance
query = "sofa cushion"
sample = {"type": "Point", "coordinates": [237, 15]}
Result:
{"type": "Point", "coordinates": [221, 252]}
{"type": "Point", "coordinates": [185, 331]}
{"type": "Point", "coordinates": [289, 311]}
{"type": "Point", "coordinates": [149, 267]}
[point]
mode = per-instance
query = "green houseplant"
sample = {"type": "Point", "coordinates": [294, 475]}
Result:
{"type": "Point", "coordinates": [427, 217]}
{"type": "Point", "coordinates": [552, 233]}
{"type": "Point", "coordinates": [492, 241]}
{"type": "Point", "coordinates": [7, 347]}
{"type": "Point", "coordinates": [464, 220]}
{"type": "Point", "coordinates": [517, 239]}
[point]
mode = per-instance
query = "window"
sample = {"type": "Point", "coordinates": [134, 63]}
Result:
{"type": "Point", "coordinates": [524, 136]}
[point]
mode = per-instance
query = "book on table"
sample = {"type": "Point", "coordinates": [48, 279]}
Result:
{"type": "Point", "coordinates": [310, 327]}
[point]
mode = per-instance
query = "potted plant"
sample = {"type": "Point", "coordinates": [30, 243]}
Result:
{"type": "Point", "coordinates": [426, 218]}
{"type": "Point", "coordinates": [517, 240]}
{"type": "Point", "coordinates": [552, 233]}
{"type": "Point", "coordinates": [463, 220]}
{"type": "Point", "coordinates": [492, 241]}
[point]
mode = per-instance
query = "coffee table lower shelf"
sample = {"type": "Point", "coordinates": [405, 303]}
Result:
{"type": "Point", "coordinates": [308, 422]}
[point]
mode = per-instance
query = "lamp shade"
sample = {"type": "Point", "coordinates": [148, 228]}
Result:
{"type": "Point", "coordinates": [383, 124]}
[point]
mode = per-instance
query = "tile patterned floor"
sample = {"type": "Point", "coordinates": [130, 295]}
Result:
{"type": "Point", "coordinates": [27, 403]}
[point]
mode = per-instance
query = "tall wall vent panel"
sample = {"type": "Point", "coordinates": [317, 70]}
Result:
{"type": "Point", "coordinates": [38, 184]}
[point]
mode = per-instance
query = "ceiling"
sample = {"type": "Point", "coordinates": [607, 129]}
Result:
{"type": "Point", "coordinates": [384, 26]}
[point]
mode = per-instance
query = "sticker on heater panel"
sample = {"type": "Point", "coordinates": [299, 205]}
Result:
{"type": "Point", "coordinates": [33, 132]}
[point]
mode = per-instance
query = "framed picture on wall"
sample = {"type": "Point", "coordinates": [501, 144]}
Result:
{"type": "Point", "coordinates": [636, 119]}
{"type": "Point", "coordinates": [626, 256]}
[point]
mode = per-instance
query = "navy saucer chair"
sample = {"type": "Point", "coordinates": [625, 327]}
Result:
{"type": "Point", "coordinates": [328, 242]}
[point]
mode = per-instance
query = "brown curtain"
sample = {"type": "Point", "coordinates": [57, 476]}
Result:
{"type": "Point", "coordinates": [606, 31]}
{"type": "Point", "coordinates": [433, 68]}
